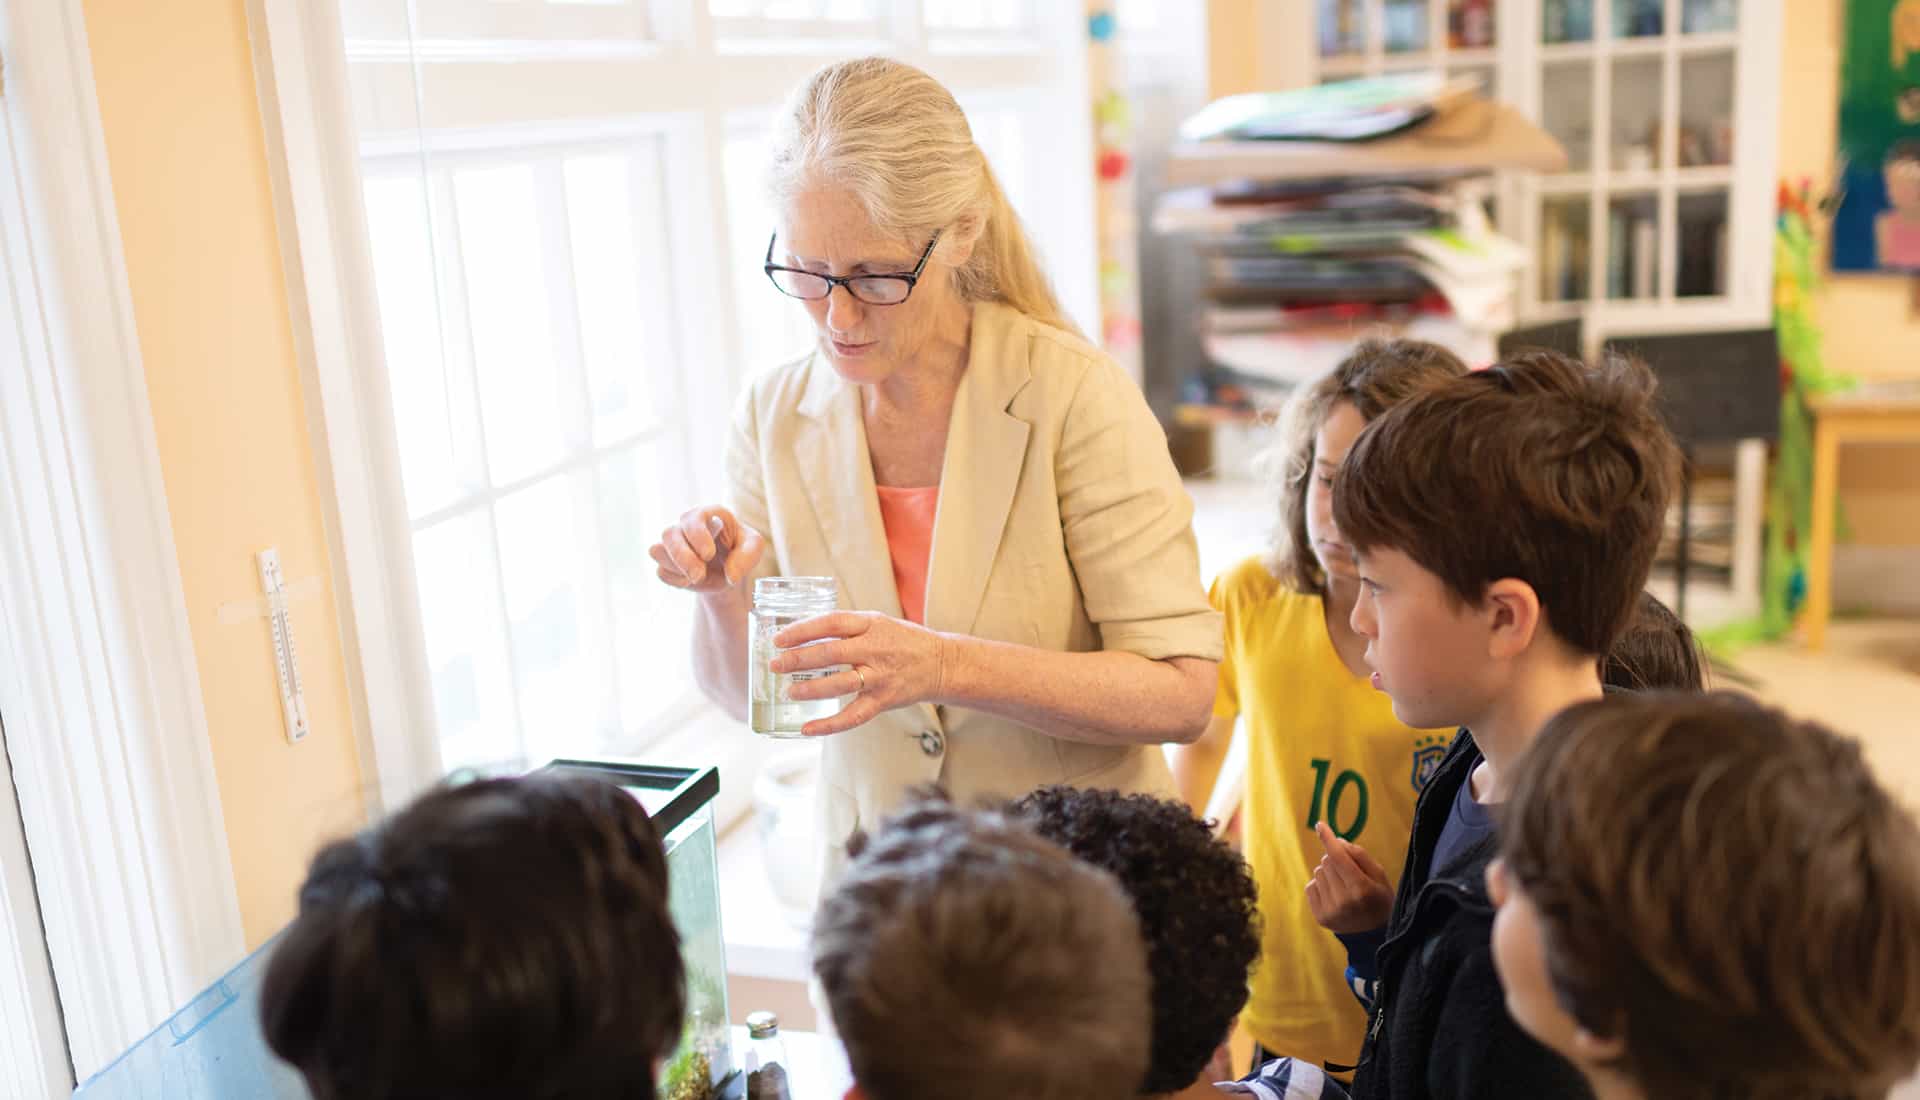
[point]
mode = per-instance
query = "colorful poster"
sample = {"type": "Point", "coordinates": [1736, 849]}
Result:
{"type": "Point", "coordinates": [1877, 227]}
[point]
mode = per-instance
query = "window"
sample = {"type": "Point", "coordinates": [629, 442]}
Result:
{"type": "Point", "coordinates": [566, 221]}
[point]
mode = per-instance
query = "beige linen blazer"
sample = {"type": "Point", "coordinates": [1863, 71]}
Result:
{"type": "Point", "coordinates": [1061, 524]}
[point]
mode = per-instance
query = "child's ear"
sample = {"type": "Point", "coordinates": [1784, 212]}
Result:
{"type": "Point", "coordinates": [854, 1093]}
{"type": "Point", "coordinates": [1514, 619]}
{"type": "Point", "coordinates": [1592, 1048]}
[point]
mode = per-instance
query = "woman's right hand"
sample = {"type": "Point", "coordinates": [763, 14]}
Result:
{"type": "Point", "coordinates": [707, 551]}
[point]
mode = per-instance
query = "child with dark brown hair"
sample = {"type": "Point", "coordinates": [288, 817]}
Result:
{"type": "Point", "coordinates": [1700, 897]}
{"type": "Point", "coordinates": [1327, 760]}
{"type": "Point", "coordinates": [1503, 524]}
{"type": "Point", "coordinates": [1656, 651]}
{"type": "Point", "coordinates": [507, 939]}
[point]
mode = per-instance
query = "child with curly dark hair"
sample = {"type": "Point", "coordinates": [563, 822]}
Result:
{"type": "Point", "coordinates": [963, 956]}
{"type": "Point", "coordinates": [1196, 902]}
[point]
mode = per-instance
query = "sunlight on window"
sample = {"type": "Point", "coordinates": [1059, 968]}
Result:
{"type": "Point", "coordinates": [506, 283]}
{"type": "Point", "coordinates": [639, 494]}
{"type": "Point", "coordinates": [466, 642]}
{"type": "Point", "coordinates": [410, 320]}
{"type": "Point", "coordinates": [607, 266]}
{"type": "Point", "coordinates": [547, 538]}
{"type": "Point", "coordinates": [975, 15]}
{"type": "Point", "coordinates": [774, 328]}
{"type": "Point", "coordinates": [834, 11]}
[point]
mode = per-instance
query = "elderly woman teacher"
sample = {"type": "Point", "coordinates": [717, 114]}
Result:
{"type": "Point", "coordinates": [992, 493]}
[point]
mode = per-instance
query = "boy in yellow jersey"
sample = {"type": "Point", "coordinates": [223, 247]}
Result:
{"type": "Point", "coordinates": [1324, 748]}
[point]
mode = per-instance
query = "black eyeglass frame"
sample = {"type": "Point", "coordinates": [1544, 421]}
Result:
{"type": "Point", "coordinates": [911, 278]}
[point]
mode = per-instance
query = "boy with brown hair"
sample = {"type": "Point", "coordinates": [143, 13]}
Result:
{"type": "Point", "coordinates": [962, 956]}
{"type": "Point", "coordinates": [1700, 897]}
{"type": "Point", "coordinates": [1503, 524]}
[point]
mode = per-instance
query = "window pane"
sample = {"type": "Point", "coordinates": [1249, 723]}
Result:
{"type": "Point", "coordinates": [1633, 247]}
{"type": "Point", "coordinates": [1702, 246]}
{"type": "Point", "coordinates": [1638, 18]}
{"type": "Point", "coordinates": [1636, 115]}
{"type": "Point", "coordinates": [1567, 108]}
{"type": "Point", "coordinates": [638, 497]}
{"type": "Point", "coordinates": [513, 342]}
{"type": "Point", "coordinates": [548, 566]}
{"type": "Point", "coordinates": [1706, 110]}
{"type": "Point", "coordinates": [466, 643]}
{"type": "Point", "coordinates": [528, 20]}
{"type": "Point", "coordinates": [402, 248]}
{"type": "Point", "coordinates": [1566, 21]}
{"type": "Point", "coordinates": [1470, 24]}
{"type": "Point", "coordinates": [996, 15]}
{"type": "Point", "coordinates": [609, 213]}
{"type": "Point", "coordinates": [774, 327]}
{"type": "Point", "coordinates": [1406, 25]}
{"type": "Point", "coordinates": [1563, 249]}
{"type": "Point", "coordinates": [1709, 16]}
{"type": "Point", "coordinates": [1341, 28]}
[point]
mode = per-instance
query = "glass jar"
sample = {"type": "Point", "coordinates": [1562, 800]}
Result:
{"type": "Point", "coordinates": [779, 602]}
{"type": "Point", "coordinates": [766, 1059]}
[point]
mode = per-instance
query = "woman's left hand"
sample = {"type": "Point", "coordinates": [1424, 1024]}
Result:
{"type": "Point", "coordinates": [892, 663]}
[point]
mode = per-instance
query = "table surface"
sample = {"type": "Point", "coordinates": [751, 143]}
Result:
{"type": "Point", "coordinates": [1890, 397]}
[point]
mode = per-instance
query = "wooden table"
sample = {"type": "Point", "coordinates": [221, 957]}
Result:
{"type": "Point", "coordinates": [1866, 416]}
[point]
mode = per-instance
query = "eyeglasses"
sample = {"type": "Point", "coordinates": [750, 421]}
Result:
{"type": "Point", "coordinates": [875, 290]}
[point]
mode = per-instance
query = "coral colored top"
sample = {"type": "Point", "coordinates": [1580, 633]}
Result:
{"type": "Point", "coordinates": [908, 517]}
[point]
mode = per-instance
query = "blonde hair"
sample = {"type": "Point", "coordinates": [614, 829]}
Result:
{"type": "Point", "coordinates": [897, 139]}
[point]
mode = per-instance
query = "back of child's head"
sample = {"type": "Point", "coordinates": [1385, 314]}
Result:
{"type": "Point", "coordinates": [509, 938]}
{"type": "Point", "coordinates": [1539, 468]}
{"type": "Point", "coordinates": [1723, 891]}
{"type": "Point", "coordinates": [963, 956]}
{"type": "Point", "coordinates": [1374, 377]}
{"type": "Point", "coordinates": [1196, 902]}
{"type": "Point", "coordinates": [1655, 652]}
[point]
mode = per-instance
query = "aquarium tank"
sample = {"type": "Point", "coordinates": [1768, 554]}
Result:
{"type": "Point", "coordinates": [213, 1047]}
{"type": "Point", "coordinates": [680, 802]}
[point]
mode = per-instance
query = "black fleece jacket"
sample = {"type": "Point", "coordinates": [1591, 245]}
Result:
{"type": "Point", "coordinates": [1440, 1028]}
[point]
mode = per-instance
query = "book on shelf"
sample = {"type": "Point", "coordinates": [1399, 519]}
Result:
{"type": "Point", "coordinates": [1345, 110]}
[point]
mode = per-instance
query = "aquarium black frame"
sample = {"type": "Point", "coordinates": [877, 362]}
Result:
{"type": "Point", "coordinates": [691, 788]}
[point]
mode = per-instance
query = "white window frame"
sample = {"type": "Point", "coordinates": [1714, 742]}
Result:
{"type": "Point", "coordinates": [106, 732]}
{"type": "Point", "coordinates": [300, 59]}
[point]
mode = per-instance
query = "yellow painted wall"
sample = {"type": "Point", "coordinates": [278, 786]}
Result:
{"type": "Point", "coordinates": [188, 160]}
{"type": "Point", "coordinates": [1871, 326]}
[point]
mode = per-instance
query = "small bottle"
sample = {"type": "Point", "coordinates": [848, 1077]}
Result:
{"type": "Point", "coordinates": [766, 1060]}
{"type": "Point", "coordinates": [779, 602]}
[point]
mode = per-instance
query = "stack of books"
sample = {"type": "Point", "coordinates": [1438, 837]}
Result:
{"type": "Point", "coordinates": [1346, 210]}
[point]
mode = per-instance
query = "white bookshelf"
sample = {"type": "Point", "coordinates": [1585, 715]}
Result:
{"type": "Point", "coordinates": [1668, 109]}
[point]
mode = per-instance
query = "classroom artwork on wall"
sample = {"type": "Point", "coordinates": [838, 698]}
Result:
{"type": "Point", "coordinates": [1877, 227]}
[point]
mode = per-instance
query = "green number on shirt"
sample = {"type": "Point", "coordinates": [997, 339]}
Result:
{"type": "Point", "coordinates": [1334, 797]}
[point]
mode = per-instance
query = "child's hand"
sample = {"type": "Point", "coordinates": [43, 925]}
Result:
{"type": "Point", "coordinates": [1349, 892]}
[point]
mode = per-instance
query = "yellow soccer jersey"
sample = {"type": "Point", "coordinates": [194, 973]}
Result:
{"type": "Point", "coordinates": [1322, 744]}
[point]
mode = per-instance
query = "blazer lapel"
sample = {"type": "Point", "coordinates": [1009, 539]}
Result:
{"type": "Point", "coordinates": [986, 448]}
{"type": "Point", "coordinates": [830, 451]}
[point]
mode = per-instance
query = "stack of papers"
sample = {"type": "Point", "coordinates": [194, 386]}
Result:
{"type": "Point", "coordinates": [1313, 237]}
